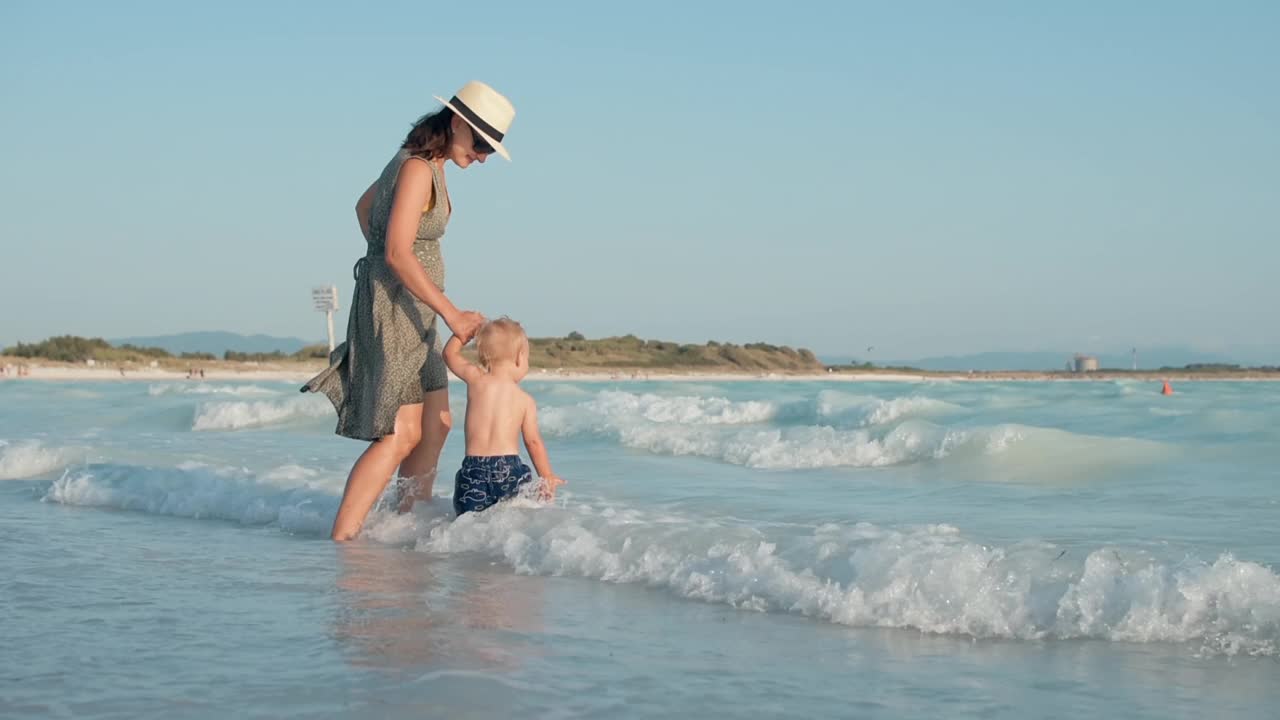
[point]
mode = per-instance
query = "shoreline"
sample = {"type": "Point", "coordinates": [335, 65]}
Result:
{"type": "Point", "coordinates": [224, 371]}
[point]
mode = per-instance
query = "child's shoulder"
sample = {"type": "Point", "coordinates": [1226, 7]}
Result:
{"type": "Point", "coordinates": [525, 397]}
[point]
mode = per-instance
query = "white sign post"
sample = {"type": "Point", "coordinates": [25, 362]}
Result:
{"type": "Point", "coordinates": [325, 299]}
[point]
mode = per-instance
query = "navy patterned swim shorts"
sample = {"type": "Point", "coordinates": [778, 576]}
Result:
{"type": "Point", "coordinates": [483, 481]}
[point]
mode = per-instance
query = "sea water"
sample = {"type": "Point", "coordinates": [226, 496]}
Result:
{"type": "Point", "coordinates": [722, 549]}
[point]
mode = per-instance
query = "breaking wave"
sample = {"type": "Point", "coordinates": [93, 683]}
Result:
{"type": "Point", "coordinates": [202, 389]}
{"type": "Point", "coordinates": [928, 578]}
{"type": "Point", "coordinates": [238, 414]}
{"type": "Point", "coordinates": [846, 431]}
{"type": "Point", "coordinates": [931, 579]}
{"type": "Point", "coordinates": [198, 491]}
{"type": "Point", "coordinates": [30, 459]}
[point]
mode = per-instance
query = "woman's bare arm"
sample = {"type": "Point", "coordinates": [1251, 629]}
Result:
{"type": "Point", "coordinates": [363, 206]}
{"type": "Point", "coordinates": [413, 192]}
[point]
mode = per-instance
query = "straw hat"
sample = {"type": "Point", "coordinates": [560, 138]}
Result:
{"type": "Point", "coordinates": [485, 110]}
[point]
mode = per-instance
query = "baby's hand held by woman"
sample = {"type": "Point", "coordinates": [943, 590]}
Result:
{"type": "Point", "coordinates": [465, 324]}
{"type": "Point", "coordinates": [547, 490]}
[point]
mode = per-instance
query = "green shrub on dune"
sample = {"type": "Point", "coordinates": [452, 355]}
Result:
{"type": "Point", "coordinates": [629, 352]}
{"type": "Point", "coordinates": [74, 349]}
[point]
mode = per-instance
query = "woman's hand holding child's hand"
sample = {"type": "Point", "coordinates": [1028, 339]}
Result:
{"type": "Point", "coordinates": [465, 324]}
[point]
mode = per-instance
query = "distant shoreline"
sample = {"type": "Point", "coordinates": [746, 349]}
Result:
{"type": "Point", "coordinates": [222, 370]}
{"type": "Point", "coordinates": [572, 357]}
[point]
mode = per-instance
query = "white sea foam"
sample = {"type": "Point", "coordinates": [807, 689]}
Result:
{"type": "Point", "coordinates": [612, 409]}
{"type": "Point", "coordinates": [561, 389]}
{"type": "Point", "coordinates": [791, 448]}
{"type": "Point", "coordinates": [30, 458]}
{"type": "Point", "coordinates": [203, 389]}
{"type": "Point", "coordinates": [867, 410]}
{"type": "Point", "coordinates": [931, 579]}
{"type": "Point", "coordinates": [290, 474]}
{"type": "Point", "coordinates": [238, 414]}
{"type": "Point", "coordinates": [823, 446]}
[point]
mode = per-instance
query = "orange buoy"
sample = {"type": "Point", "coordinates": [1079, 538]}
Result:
{"type": "Point", "coordinates": [1166, 390]}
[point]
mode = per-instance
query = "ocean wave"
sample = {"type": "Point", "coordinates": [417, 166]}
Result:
{"type": "Point", "coordinates": [811, 447]}
{"type": "Point", "coordinates": [559, 389]}
{"type": "Point", "coordinates": [1237, 421]}
{"type": "Point", "coordinates": [1024, 452]}
{"type": "Point", "coordinates": [198, 491]}
{"type": "Point", "coordinates": [1168, 412]}
{"type": "Point", "coordinates": [791, 448]}
{"type": "Point", "coordinates": [292, 498]}
{"type": "Point", "coordinates": [867, 410]}
{"type": "Point", "coordinates": [1126, 387]}
{"type": "Point", "coordinates": [930, 579]}
{"type": "Point", "coordinates": [30, 458]}
{"type": "Point", "coordinates": [203, 389]}
{"type": "Point", "coordinates": [239, 414]}
{"type": "Point", "coordinates": [613, 411]}
{"type": "Point", "coordinates": [833, 429]}
{"type": "Point", "coordinates": [612, 408]}
{"type": "Point", "coordinates": [1012, 447]}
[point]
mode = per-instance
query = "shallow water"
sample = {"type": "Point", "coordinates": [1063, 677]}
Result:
{"type": "Point", "coordinates": [749, 549]}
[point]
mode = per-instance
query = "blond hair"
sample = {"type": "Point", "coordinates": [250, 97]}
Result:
{"type": "Point", "coordinates": [500, 340]}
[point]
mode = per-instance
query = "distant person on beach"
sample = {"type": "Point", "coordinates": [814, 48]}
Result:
{"type": "Point", "coordinates": [499, 413]}
{"type": "Point", "coordinates": [388, 381]}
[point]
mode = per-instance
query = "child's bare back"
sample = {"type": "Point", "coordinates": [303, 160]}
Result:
{"type": "Point", "coordinates": [499, 413]}
{"type": "Point", "coordinates": [496, 411]}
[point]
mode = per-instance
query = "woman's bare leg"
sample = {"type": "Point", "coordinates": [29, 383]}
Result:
{"type": "Point", "coordinates": [370, 474]}
{"type": "Point", "coordinates": [419, 468]}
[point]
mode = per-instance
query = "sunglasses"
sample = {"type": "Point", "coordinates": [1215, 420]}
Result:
{"type": "Point", "coordinates": [479, 144]}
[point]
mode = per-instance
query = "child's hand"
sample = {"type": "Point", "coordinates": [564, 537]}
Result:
{"type": "Point", "coordinates": [469, 335]}
{"type": "Point", "coordinates": [547, 490]}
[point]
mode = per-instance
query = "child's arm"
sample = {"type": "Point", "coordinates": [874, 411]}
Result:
{"type": "Point", "coordinates": [538, 451]}
{"type": "Point", "coordinates": [459, 365]}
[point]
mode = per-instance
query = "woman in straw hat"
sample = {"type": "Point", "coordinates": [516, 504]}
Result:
{"type": "Point", "coordinates": [388, 381]}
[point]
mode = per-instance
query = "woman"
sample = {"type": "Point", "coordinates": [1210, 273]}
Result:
{"type": "Point", "coordinates": [388, 381]}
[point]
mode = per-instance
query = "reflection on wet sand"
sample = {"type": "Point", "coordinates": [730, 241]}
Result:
{"type": "Point", "coordinates": [406, 610]}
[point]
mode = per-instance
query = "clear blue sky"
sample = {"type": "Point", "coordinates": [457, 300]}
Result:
{"type": "Point", "coordinates": [925, 177]}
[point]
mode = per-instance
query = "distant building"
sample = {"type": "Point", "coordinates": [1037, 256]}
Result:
{"type": "Point", "coordinates": [1084, 363]}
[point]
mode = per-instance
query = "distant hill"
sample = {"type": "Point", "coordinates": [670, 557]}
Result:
{"type": "Point", "coordinates": [632, 353]}
{"type": "Point", "coordinates": [1153, 358]}
{"type": "Point", "coordinates": [216, 343]}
